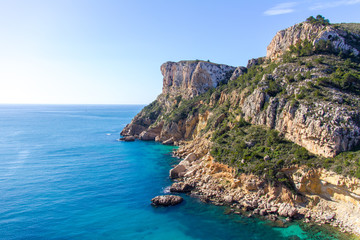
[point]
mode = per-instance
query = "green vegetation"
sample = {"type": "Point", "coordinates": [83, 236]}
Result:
{"type": "Point", "coordinates": [261, 151]}
{"type": "Point", "coordinates": [349, 27]}
{"type": "Point", "coordinates": [151, 111]}
{"type": "Point", "coordinates": [307, 75]}
{"type": "Point", "coordinates": [319, 20]}
{"type": "Point", "coordinates": [347, 80]}
{"type": "Point", "coordinates": [258, 150]}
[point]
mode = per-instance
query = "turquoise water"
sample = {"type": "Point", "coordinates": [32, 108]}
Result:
{"type": "Point", "coordinates": [64, 175]}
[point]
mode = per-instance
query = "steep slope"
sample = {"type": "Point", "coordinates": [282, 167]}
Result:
{"type": "Point", "coordinates": [339, 37]}
{"type": "Point", "coordinates": [270, 129]}
{"type": "Point", "coordinates": [191, 78]}
{"type": "Point", "coordinates": [182, 81]}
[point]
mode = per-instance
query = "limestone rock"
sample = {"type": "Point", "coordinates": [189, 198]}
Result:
{"type": "Point", "coordinates": [166, 200]}
{"type": "Point", "coordinates": [177, 171]}
{"type": "Point", "coordinates": [147, 136]}
{"type": "Point", "coordinates": [286, 210]}
{"type": "Point", "coordinates": [253, 62]}
{"type": "Point", "coordinates": [326, 138]}
{"type": "Point", "coordinates": [132, 129]}
{"type": "Point", "coordinates": [190, 158]}
{"type": "Point", "coordinates": [238, 72]}
{"type": "Point", "coordinates": [180, 187]}
{"type": "Point", "coordinates": [191, 78]}
{"type": "Point", "coordinates": [127, 139]}
{"type": "Point", "coordinates": [228, 199]}
{"type": "Point", "coordinates": [314, 33]}
{"type": "Point", "coordinates": [170, 141]}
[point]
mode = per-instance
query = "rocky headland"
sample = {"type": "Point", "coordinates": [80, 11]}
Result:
{"type": "Point", "coordinates": [279, 137]}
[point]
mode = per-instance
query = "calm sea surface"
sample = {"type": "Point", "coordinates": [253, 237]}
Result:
{"type": "Point", "coordinates": [64, 175]}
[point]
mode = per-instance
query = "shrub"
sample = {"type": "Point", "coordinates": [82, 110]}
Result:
{"type": "Point", "coordinates": [319, 20]}
{"type": "Point", "coordinates": [309, 65]}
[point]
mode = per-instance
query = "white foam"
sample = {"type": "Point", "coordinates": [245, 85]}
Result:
{"type": "Point", "coordinates": [166, 189]}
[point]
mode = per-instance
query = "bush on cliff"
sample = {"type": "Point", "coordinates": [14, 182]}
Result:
{"type": "Point", "coordinates": [319, 20]}
{"type": "Point", "coordinates": [258, 150]}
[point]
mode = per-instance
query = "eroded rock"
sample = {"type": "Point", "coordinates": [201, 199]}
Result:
{"type": "Point", "coordinates": [127, 139]}
{"type": "Point", "coordinates": [177, 171]}
{"type": "Point", "coordinates": [180, 187]}
{"type": "Point", "coordinates": [166, 200]}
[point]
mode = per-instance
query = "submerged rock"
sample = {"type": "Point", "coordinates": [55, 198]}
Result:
{"type": "Point", "coordinates": [166, 200]}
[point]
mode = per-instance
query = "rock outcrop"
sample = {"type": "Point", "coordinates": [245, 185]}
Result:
{"type": "Point", "coordinates": [322, 197]}
{"type": "Point", "coordinates": [340, 39]}
{"type": "Point", "coordinates": [166, 200]}
{"type": "Point", "coordinates": [323, 129]}
{"type": "Point", "coordinates": [191, 78]}
{"type": "Point", "coordinates": [305, 102]}
{"type": "Point", "coordinates": [238, 72]}
{"type": "Point", "coordinates": [128, 139]}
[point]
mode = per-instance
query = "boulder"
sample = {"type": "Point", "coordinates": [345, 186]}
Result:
{"type": "Point", "coordinates": [274, 209]}
{"type": "Point", "coordinates": [191, 157]}
{"type": "Point", "coordinates": [147, 136]}
{"type": "Point", "coordinates": [132, 130]}
{"type": "Point", "coordinates": [177, 171]}
{"type": "Point", "coordinates": [127, 139]}
{"type": "Point", "coordinates": [286, 210]}
{"type": "Point", "coordinates": [330, 216]}
{"type": "Point", "coordinates": [228, 199]}
{"type": "Point", "coordinates": [170, 141]}
{"type": "Point", "coordinates": [166, 200]}
{"type": "Point", "coordinates": [180, 187]}
{"type": "Point", "coordinates": [263, 212]}
{"type": "Point", "coordinates": [186, 164]}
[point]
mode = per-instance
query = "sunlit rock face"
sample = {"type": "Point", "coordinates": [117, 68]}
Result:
{"type": "Point", "coordinates": [341, 40]}
{"type": "Point", "coordinates": [191, 78]}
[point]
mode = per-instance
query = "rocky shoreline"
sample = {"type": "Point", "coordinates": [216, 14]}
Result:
{"type": "Point", "coordinates": [216, 183]}
{"type": "Point", "coordinates": [298, 96]}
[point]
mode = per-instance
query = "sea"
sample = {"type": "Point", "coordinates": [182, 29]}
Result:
{"type": "Point", "coordinates": [65, 175]}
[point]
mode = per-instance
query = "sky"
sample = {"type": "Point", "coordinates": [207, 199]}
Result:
{"type": "Point", "coordinates": [110, 51]}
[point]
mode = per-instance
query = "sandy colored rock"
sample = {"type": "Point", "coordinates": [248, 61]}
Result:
{"type": "Point", "coordinates": [191, 78]}
{"type": "Point", "coordinates": [177, 171]}
{"type": "Point", "coordinates": [312, 32]}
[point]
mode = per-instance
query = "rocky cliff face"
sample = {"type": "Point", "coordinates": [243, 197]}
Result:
{"type": "Point", "coordinates": [191, 78]}
{"type": "Point", "coordinates": [323, 197]}
{"type": "Point", "coordinates": [322, 128]}
{"type": "Point", "coordinates": [340, 39]}
{"type": "Point", "coordinates": [311, 100]}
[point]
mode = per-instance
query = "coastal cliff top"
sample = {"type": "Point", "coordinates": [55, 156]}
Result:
{"type": "Point", "coordinates": [343, 37]}
{"type": "Point", "coordinates": [305, 94]}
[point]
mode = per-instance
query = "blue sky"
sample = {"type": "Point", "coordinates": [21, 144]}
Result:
{"type": "Point", "coordinates": [110, 52]}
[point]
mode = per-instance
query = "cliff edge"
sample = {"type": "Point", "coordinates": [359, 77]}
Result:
{"type": "Point", "coordinates": [286, 128]}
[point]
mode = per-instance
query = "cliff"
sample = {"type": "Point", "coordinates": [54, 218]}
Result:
{"type": "Point", "coordinates": [295, 109]}
{"type": "Point", "coordinates": [192, 78]}
{"type": "Point", "coordinates": [182, 81]}
{"type": "Point", "coordinates": [338, 37]}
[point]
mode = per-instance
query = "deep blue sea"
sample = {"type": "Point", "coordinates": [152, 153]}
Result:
{"type": "Point", "coordinates": [64, 175]}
